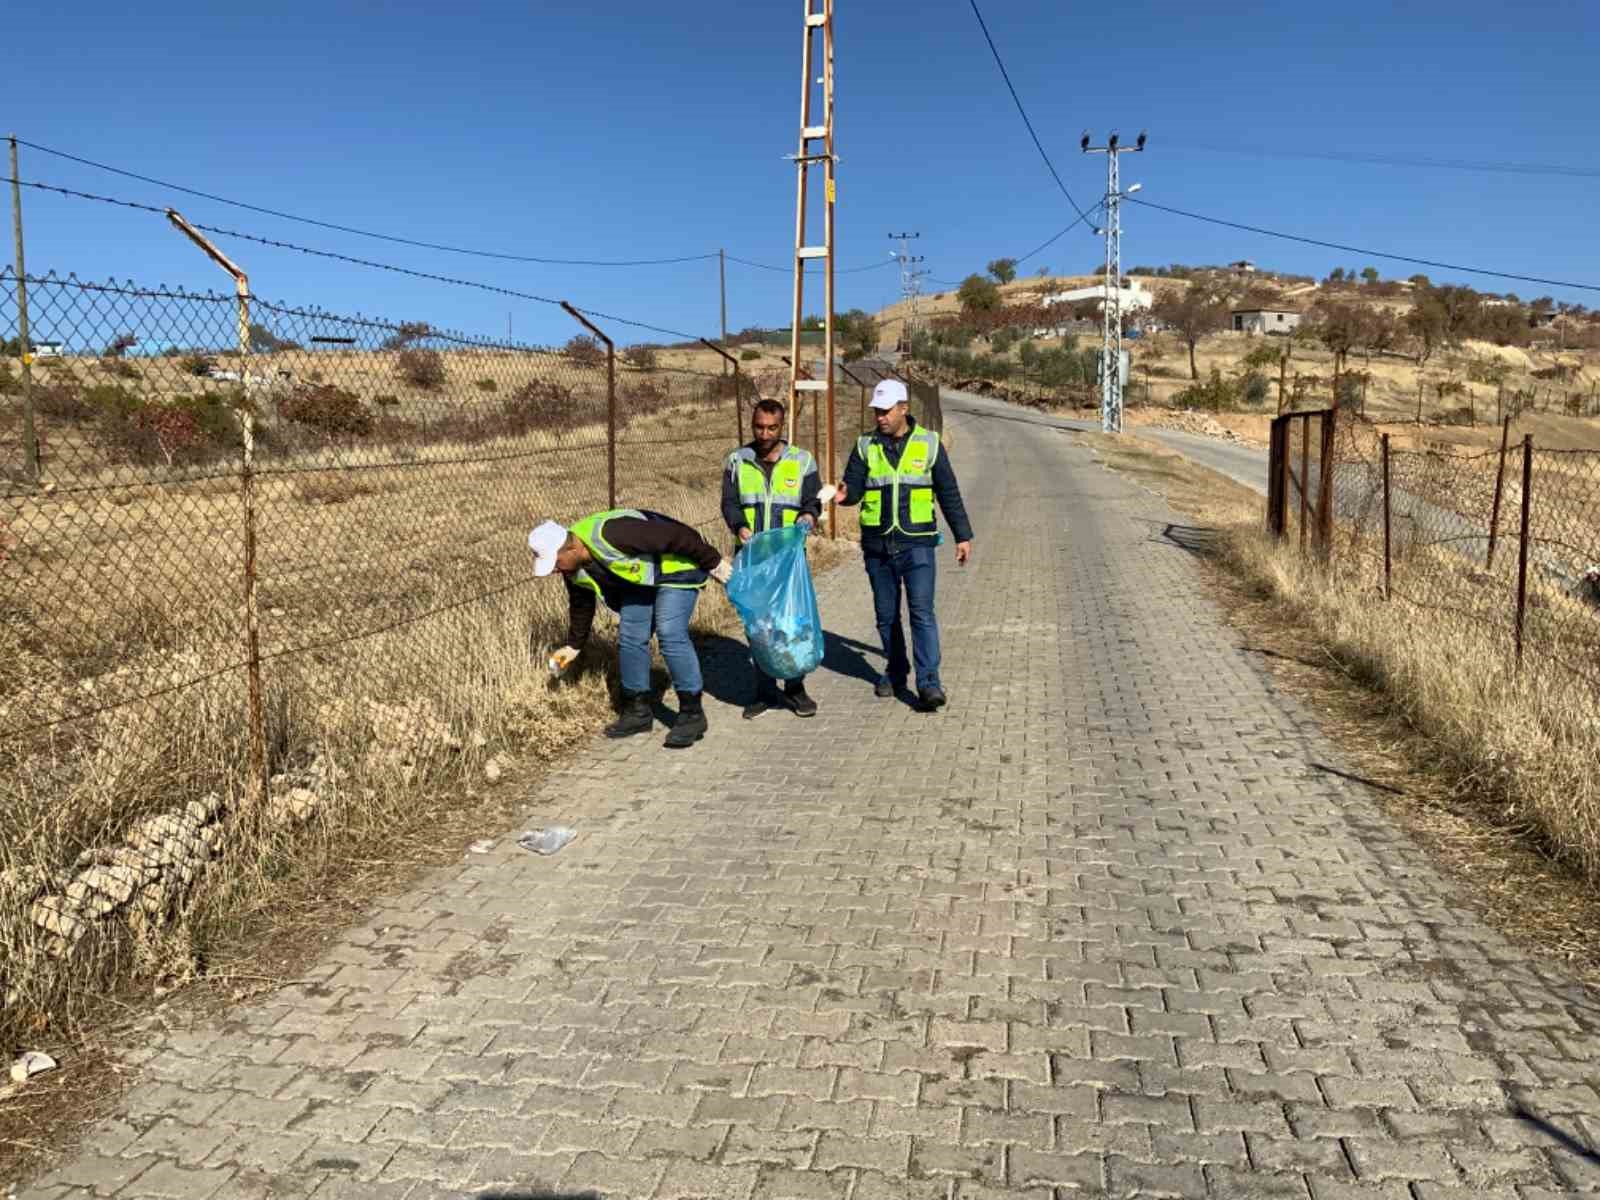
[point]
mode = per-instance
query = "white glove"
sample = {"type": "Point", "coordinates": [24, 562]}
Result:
{"type": "Point", "coordinates": [561, 660]}
{"type": "Point", "coordinates": [722, 572]}
{"type": "Point", "coordinates": [827, 493]}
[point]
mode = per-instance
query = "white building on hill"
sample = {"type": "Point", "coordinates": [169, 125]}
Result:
{"type": "Point", "coordinates": [1133, 295]}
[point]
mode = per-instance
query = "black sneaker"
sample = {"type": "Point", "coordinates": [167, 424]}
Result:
{"type": "Point", "coordinates": [931, 698]}
{"type": "Point", "coordinates": [803, 705]}
{"type": "Point", "coordinates": [759, 705]}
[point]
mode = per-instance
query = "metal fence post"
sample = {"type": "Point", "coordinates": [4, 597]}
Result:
{"type": "Point", "coordinates": [1499, 490]}
{"type": "Point", "coordinates": [258, 784]}
{"type": "Point", "coordinates": [1387, 559]}
{"type": "Point", "coordinates": [611, 401]}
{"type": "Point", "coordinates": [1522, 551]}
{"type": "Point", "coordinates": [738, 413]}
{"type": "Point", "coordinates": [1305, 477]}
{"type": "Point", "coordinates": [30, 432]}
{"type": "Point", "coordinates": [1278, 476]}
{"type": "Point", "coordinates": [1325, 478]}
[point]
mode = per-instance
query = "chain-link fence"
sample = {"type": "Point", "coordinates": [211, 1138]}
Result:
{"type": "Point", "coordinates": [1503, 541]}
{"type": "Point", "coordinates": [234, 532]}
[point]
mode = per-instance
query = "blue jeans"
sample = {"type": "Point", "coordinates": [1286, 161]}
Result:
{"type": "Point", "coordinates": [913, 570]}
{"type": "Point", "coordinates": [664, 612]}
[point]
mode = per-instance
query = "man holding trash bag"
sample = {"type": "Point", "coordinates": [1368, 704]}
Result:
{"type": "Point", "coordinates": [769, 484]}
{"type": "Point", "coordinates": [895, 475]}
{"type": "Point", "coordinates": [649, 569]}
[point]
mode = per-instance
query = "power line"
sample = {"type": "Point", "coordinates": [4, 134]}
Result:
{"type": "Point", "coordinates": [733, 258]}
{"type": "Point", "coordinates": [1006, 75]}
{"type": "Point", "coordinates": [1311, 241]}
{"type": "Point", "coordinates": [1391, 160]}
{"type": "Point", "coordinates": [367, 233]}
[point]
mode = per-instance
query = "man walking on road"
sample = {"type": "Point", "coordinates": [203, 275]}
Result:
{"type": "Point", "coordinates": [649, 569]}
{"type": "Point", "coordinates": [770, 484]}
{"type": "Point", "coordinates": [894, 475]}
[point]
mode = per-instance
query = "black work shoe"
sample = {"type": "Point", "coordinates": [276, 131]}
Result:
{"type": "Point", "coordinates": [636, 716]}
{"type": "Point", "coordinates": [884, 688]}
{"type": "Point", "coordinates": [690, 726]}
{"type": "Point", "coordinates": [931, 698]}
{"type": "Point", "coordinates": [803, 705]}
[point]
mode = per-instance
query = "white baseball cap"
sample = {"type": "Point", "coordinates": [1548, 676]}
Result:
{"type": "Point", "coordinates": [888, 393]}
{"type": "Point", "coordinates": [546, 541]}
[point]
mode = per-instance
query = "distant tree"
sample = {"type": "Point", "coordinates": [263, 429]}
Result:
{"type": "Point", "coordinates": [1543, 304]}
{"type": "Point", "coordinates": [1004, 270]}
{"type": "Point", "coordinates": [1192, 312]}
{"type": "Point", "coordinates": [1369, 275]}
{"type": "Point", "coordinates": [1002, 339]}
{"type": "Point", "coordinates": [1336, 275]}
{"type": "Point", "coordinates": [641, 357]}
{"type": "Point", "coordinates": [1420, 280]}
{"type": "Point", "coordinates": [857, 333]}
{"type": "Point", "coordinates": [978, 294]}
{"type": "Point", "coordinates": [1043, 272]}
{"type": "Point", "coordinates": [1339, 326]}
{"type": "Point", "coordinates": [1426, 324]}
{"type": "Point", "coordinates": [1379, 332]}
{"type": "Point", "coordinates": [811, 323]}
{"type": "Point", "coordinates": [264, 341]}
{"type": "Point", "coordinates": [119, 345]}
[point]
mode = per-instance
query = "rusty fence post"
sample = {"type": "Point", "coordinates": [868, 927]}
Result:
{"type": "Point", "coordinates": [1278, 476]}
{"type": "Point", "coordinates": [1499, 490]}
{"type": "Point", "coordinates": [1325, 481]}
{"type": "Point", "coordinates": [258, 785]}
{"type": "Point", "coordinates": [1305, 477]}
{"type": "Point", "coordinates": [1387, 558]}
{"type": "Point", "coordinates": [1522, 551]}
{"type": "Point", "coordinates": [30, 432]}
{"type": "Point", "coordinates": [738, 413]}
{"type": "Point", "coordinates": [611, 401]}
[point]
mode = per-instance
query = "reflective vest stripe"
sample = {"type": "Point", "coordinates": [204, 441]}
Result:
{"type": "Point", "coordinates": [905, 488]}
{"type": "Point", "coordinates": [645, 572]}
{"type": "Point", "coordinates": [770, 502]}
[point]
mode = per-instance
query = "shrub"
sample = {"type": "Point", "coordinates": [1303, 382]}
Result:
{"type": "Point", "coordinates": [584, 351]}
{"type": "Point", "coordinates": [329, 410]}
{"type": "Point", "coordinates": [119, 345]}
{"type": "Point", "coordinates": [1262, 356]}
{"type": "Point", "coordinates": [642, 398]}
{"type": "Point", "coordinates": [120, 367]}
{"type": "Point", "coordinates": [749, 355]}
{"type": "Point", "coordinates": [196, 364]}
{"type": "Point", "coordinates": [9, 383]}
{"type": "Point", "coordinates": [1210, 395]}
{"type": "Point", "coordinates": [541, 404]}
{"type": "Point", "coordinates": [63, 400]}
{"type": "Point", "coordinates": [182, 431]}
{"type": "Point", "coordinates": [386, 400]}
{"type": "Point", "coordinates": [421, 368]}
{"type": "Point", "coordinates": [641, 357]}
{"type": "Point", "coordinates": [1256, 389]}
{"type": "Point", "coordinates": [485, 385]}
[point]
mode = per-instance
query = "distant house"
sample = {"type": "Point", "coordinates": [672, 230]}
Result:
{"type": "Point", "coordinates": [1265, 320]}
{"type": "Point", "coordinates": [1542, 320]}
{"type": "Point", "coordinates": [47, 349]}
{"type": "Point", "coordinates": [1132, 296]}
{"type": "Point", "coordinates": [1244, 266]}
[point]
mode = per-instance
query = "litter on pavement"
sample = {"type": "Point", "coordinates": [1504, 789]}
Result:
{"type": "Point", "coordinates": [546, 841]}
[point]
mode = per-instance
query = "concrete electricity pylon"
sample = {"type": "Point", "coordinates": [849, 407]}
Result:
{"type": "Point", "coordinates": [1111, 339]}
{"type": "Point", "coordinates": [910, 284]}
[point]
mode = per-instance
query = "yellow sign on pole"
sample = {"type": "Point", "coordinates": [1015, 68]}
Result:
{"type": "Point", "coordinates": [833, 192]}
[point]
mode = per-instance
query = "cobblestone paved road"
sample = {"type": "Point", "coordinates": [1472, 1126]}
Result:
{"type": "Point", "coordinates": [1100, 928]}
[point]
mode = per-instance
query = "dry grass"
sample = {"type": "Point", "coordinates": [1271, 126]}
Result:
{"type": "Point", "coordinates": [1495, 771]}
{"type": "Point", "coordinates": [388, 575]}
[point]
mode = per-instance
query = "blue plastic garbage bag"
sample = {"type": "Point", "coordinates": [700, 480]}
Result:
{"type": "Point", "coordinates": [771, 588]}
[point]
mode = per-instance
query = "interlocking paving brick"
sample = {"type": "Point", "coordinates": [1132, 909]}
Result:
{"type": "Point", "coordinates": [1100, 930]}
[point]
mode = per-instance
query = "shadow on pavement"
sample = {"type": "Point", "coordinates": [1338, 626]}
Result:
{"type": "Point", "coordinates": [1196, 539]}
{"type": "Point", "coordinates": [536, 1194]}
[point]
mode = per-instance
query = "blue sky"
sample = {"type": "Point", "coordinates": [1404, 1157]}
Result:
{"type": "Point", "coordinates": [628, 130]}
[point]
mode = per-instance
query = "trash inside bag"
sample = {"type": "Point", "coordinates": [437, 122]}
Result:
{"type": "Point", "coordinates": [772, 591]}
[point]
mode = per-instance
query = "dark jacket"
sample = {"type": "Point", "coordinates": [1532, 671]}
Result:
{"type": "Point", "coordinates": [650, 538]}
{"type": "Point", "coordinates": [733, 511]}
{"type": "Point", "coordinates": [944, 487]}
